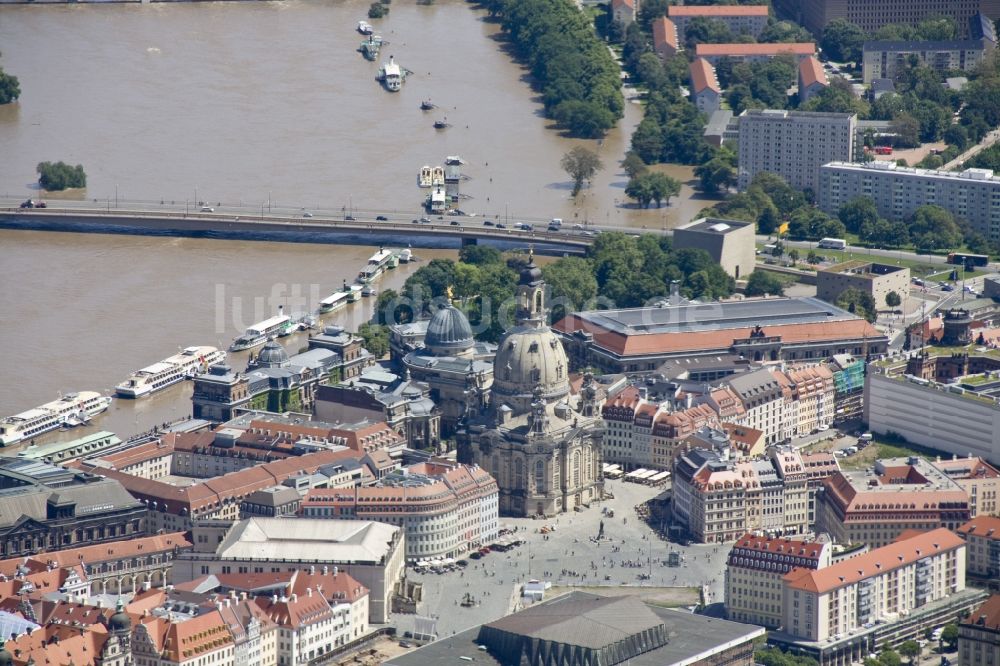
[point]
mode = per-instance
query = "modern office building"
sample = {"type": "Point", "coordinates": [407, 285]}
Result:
{"type": "Point", "coordinates": [870, 15]}
{"type": "Point", "coordinates": [729, 242]}
{"type": "Point", "coordinates": [755, 569]}
{"type": "Point", "coordinates": [926, 399]}
{"type": "Point", "coordinates": [876, 280]}
{"type": "Point", "coordinates": [640, 340]}
{"type": "Point", "coordinates": [876, 505]}
{"type": "Point", "coordinates": [740, 19]}
{"type": "Point", "coordinates": [793, 144]}
{"type": "Point", "coordinates": [973, 194]}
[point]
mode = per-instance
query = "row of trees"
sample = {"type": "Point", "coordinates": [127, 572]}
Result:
{"type": "Point", "coordinates": [10, 87]}
{"type": "Point", "coordinates": [929, 228]}
{"type": "Point", "coordinates": [842, 40]}
{"type": "Point", "coordinates": [702, 30]}
{"type": "Point", "coordinates": [618, 271]}
{"type": "Point", "coordinates": [580, 82]}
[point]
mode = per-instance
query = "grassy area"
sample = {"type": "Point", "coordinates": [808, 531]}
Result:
{"type": "Point", "coordinates": [880, 450]}
{"type": "Point", "coordinates": [944, 275]}
{"type": "Point", "coordinates": [666, 597]}
{"type": "Point", "coordinates": [918, 267]}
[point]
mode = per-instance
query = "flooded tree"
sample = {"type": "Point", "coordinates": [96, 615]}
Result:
{"type": "Point", "coordinates": [581, 164]}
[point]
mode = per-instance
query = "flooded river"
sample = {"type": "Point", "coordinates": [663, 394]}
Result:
{"type": "Point", "coordinates": [245, 103]}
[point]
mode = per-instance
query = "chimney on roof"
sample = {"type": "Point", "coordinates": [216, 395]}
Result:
{"type": "Point", "coordinates": [274, 598]}
{"type": "Point", "coordinates": [312, 570]}
{"type": "Point", "coordinates": [325, 569]}
{"type": "Point", "coordinates": [335, 570]}
{"type": "Point", "coordinates": [295, 597]}
{"type": "Point", "coordinates": [309, 591]}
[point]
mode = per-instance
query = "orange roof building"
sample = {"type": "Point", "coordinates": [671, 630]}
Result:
{"type": "Point", "coordinates": [979, 634]}
{"type": "Point", "coordinates": [812, 78]}
{"type": "Point", "coordinates": [896, 579]}
{"type": "Point", "coordinates": [760, 329]}
{"type": "Point", "coordinates": [754, 52]}
{"type": "Point", "coordinates": [754, 569]}
{"type": "Point", "coordinates": [665, 41]}
{"type": "Point", "coordinates": [623, 11]}
{"type": "Point", "coordinates": [878, 505]}
{"type": "Point", "coordinates": [983, 536]}
{"type": "Point", "coordinates": [705, 90]}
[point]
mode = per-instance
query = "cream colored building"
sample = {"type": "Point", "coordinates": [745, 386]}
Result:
{"type": "Point", "coordinates": [979, 635]}
{"type": "Point", "coordinates": [982, 535]}
{"type": "Point", "coordinates": [979, 479]}
{"type": "Point", "coordinates": [880, 585]}
{"type": "Point", "coordinates": [729, 242]}
{"type": "Point", "coordinates": [754, 572]}
{"type": "Point", "coordinates": [876, 280]}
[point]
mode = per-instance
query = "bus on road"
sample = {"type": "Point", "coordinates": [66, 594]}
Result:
{"type": "Point", "coordinates": [832, 243]}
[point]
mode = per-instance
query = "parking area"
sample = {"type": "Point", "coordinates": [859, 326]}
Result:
{"type": "Point", "coordinates": [630, 557]}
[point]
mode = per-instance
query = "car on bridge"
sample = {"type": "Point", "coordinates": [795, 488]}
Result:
{"type": "Point", "coordinates": [456, 223]}
{"type": "Point", "coordinates": [425, 220]}
{"type": "Point", "coordinates": [487, 223]}
{"type": "Point", "coordinates": [501, 225]}
{"type": "Point", "coordinates": [207, 209]}
{"type": "Point", "coordinates": [381, 218]}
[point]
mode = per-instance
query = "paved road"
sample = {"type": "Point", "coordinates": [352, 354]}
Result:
{"type": "Point", "coordinates": [984, 143]}
{"type": "Point", "coordinates": [494, 581]}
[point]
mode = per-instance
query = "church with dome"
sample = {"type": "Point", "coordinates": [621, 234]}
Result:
{"type": "Point", "coordinates": [457, 368]}
{"type": "Point", "coordinates": [541, 443]}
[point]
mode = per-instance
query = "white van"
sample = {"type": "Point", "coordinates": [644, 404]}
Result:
{"type": "Point", "coordinates": [555, 224]}
{"type": "Point", "coordinates": [832, 244]}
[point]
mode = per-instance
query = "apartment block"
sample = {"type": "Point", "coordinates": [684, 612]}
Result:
{"type": "Point", "coordinates": [979, 635]}
{"type": "Point", "coordinates": [982, 537]}
{"type": "Point", "coordinates": [793, 144]}
{"type": "Point", "coordinates": [886, 59]}
{"type": "Point", "coordinates": [870, 15]}
{"type": "Point", "coordinates": [881, 585]}
{"type": "Point", "coordinates": [979, 479]}
{"type": "Point", "coordinates": [665, 41]}
{"type": "Point", "coordinates": [875, 506]}
{"type": "Point", "coordinates": [754, 52]}
{"type": "Point", "coordinates": [754, 571]}
{"type": "Point", "coordinates": [973, 194]}
{"type": "Point", "coordinates": [740, 19]}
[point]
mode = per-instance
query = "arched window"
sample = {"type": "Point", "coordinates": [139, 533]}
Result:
{"type": "Point", "coordinates": [538, 301]}
{"type": "Point", "coordinates": [540, 476]}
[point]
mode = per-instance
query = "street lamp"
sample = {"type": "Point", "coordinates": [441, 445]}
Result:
{"type": "Point", "coordinates": [116, 195]}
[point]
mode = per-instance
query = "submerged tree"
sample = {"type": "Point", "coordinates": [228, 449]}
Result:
{"type": "Point", "coordinates": [581, 164]}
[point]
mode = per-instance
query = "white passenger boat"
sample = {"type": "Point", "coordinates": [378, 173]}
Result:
{"type": "Point", "coordinates": [377, 264]}
{"type": "Point", "coordinates": [406, 256]}
{"type": "Point", "coordinates": [354, 293]}
{"type": "Point", "coordinates": [391, 75]}
{"type": "Point", "coordinates": [263, 331]}
{"type": "Point", "coordinates": [334, 301]}
{"type": "Point", "coordinates": [192, 361]}
{"type": "Point", "coordinates": [365, 28]}
{"type": "Point", "coordinates": [73, 407]}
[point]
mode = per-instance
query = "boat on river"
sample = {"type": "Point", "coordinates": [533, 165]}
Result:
{"type": "Point", "coordinates": [430, 176]}
{"type": "Point", "coordinates": [71, 409]}
{"type": "Point", "coordinates": [370, 47]}
{"type": "Point", "coordinates": [263, 331]}
{"type": "Point", "coordinates": [334, 301]}
{"type": "Point", "coordinates": [365, 28]}
{"type": "Point", "coordinates": [427, 105]}
{"type": "Point", "coordinates": [442, 124]}
{"type": "Point", "coordinates": [391, 75]}
{"type": "Point", "coordinates": [377, 264]}
{"type": "Point", "coordinates": [188, 363]}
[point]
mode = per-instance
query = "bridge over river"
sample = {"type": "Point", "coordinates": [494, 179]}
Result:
{"type": "Point", "coordinates": [442, 231]}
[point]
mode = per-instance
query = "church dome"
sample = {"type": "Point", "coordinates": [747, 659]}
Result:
{"type": "Point", "coordinates": [120, 622]}
{"type": "Point", "coordinates": [272, 355]}
{"type": "Point", "coordinates": [529, 357]}
{"type": "Point", "coordinates": [448, 332]}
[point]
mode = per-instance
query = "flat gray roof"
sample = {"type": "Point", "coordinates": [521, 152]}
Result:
{"type": "Point", "coordinates": [693, 317]}
{"type": "Point", "coordinates": [691, 638]}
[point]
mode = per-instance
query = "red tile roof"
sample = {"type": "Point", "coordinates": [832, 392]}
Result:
{"type": "Point", "coordinates": [714, 50]}
{"type": "Point", "coordinates": [810, 72]}
{"type": "Point", "coordinates": [717, 11]}
{"type": "Point", "coordinates": [664, 34]}
{"type": "Point", "coordinates": [703, 76]}
{"type": "Point", "coordinates": [807, 549]}
{"type": "Point", "coordinates": [983, 526]}
{"type": "Point", "coordinates": [987, 615]}
{"type": "Point", "coordinates": [615, 4]}
{"type": "Point", "coordinates": [887, 558]}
